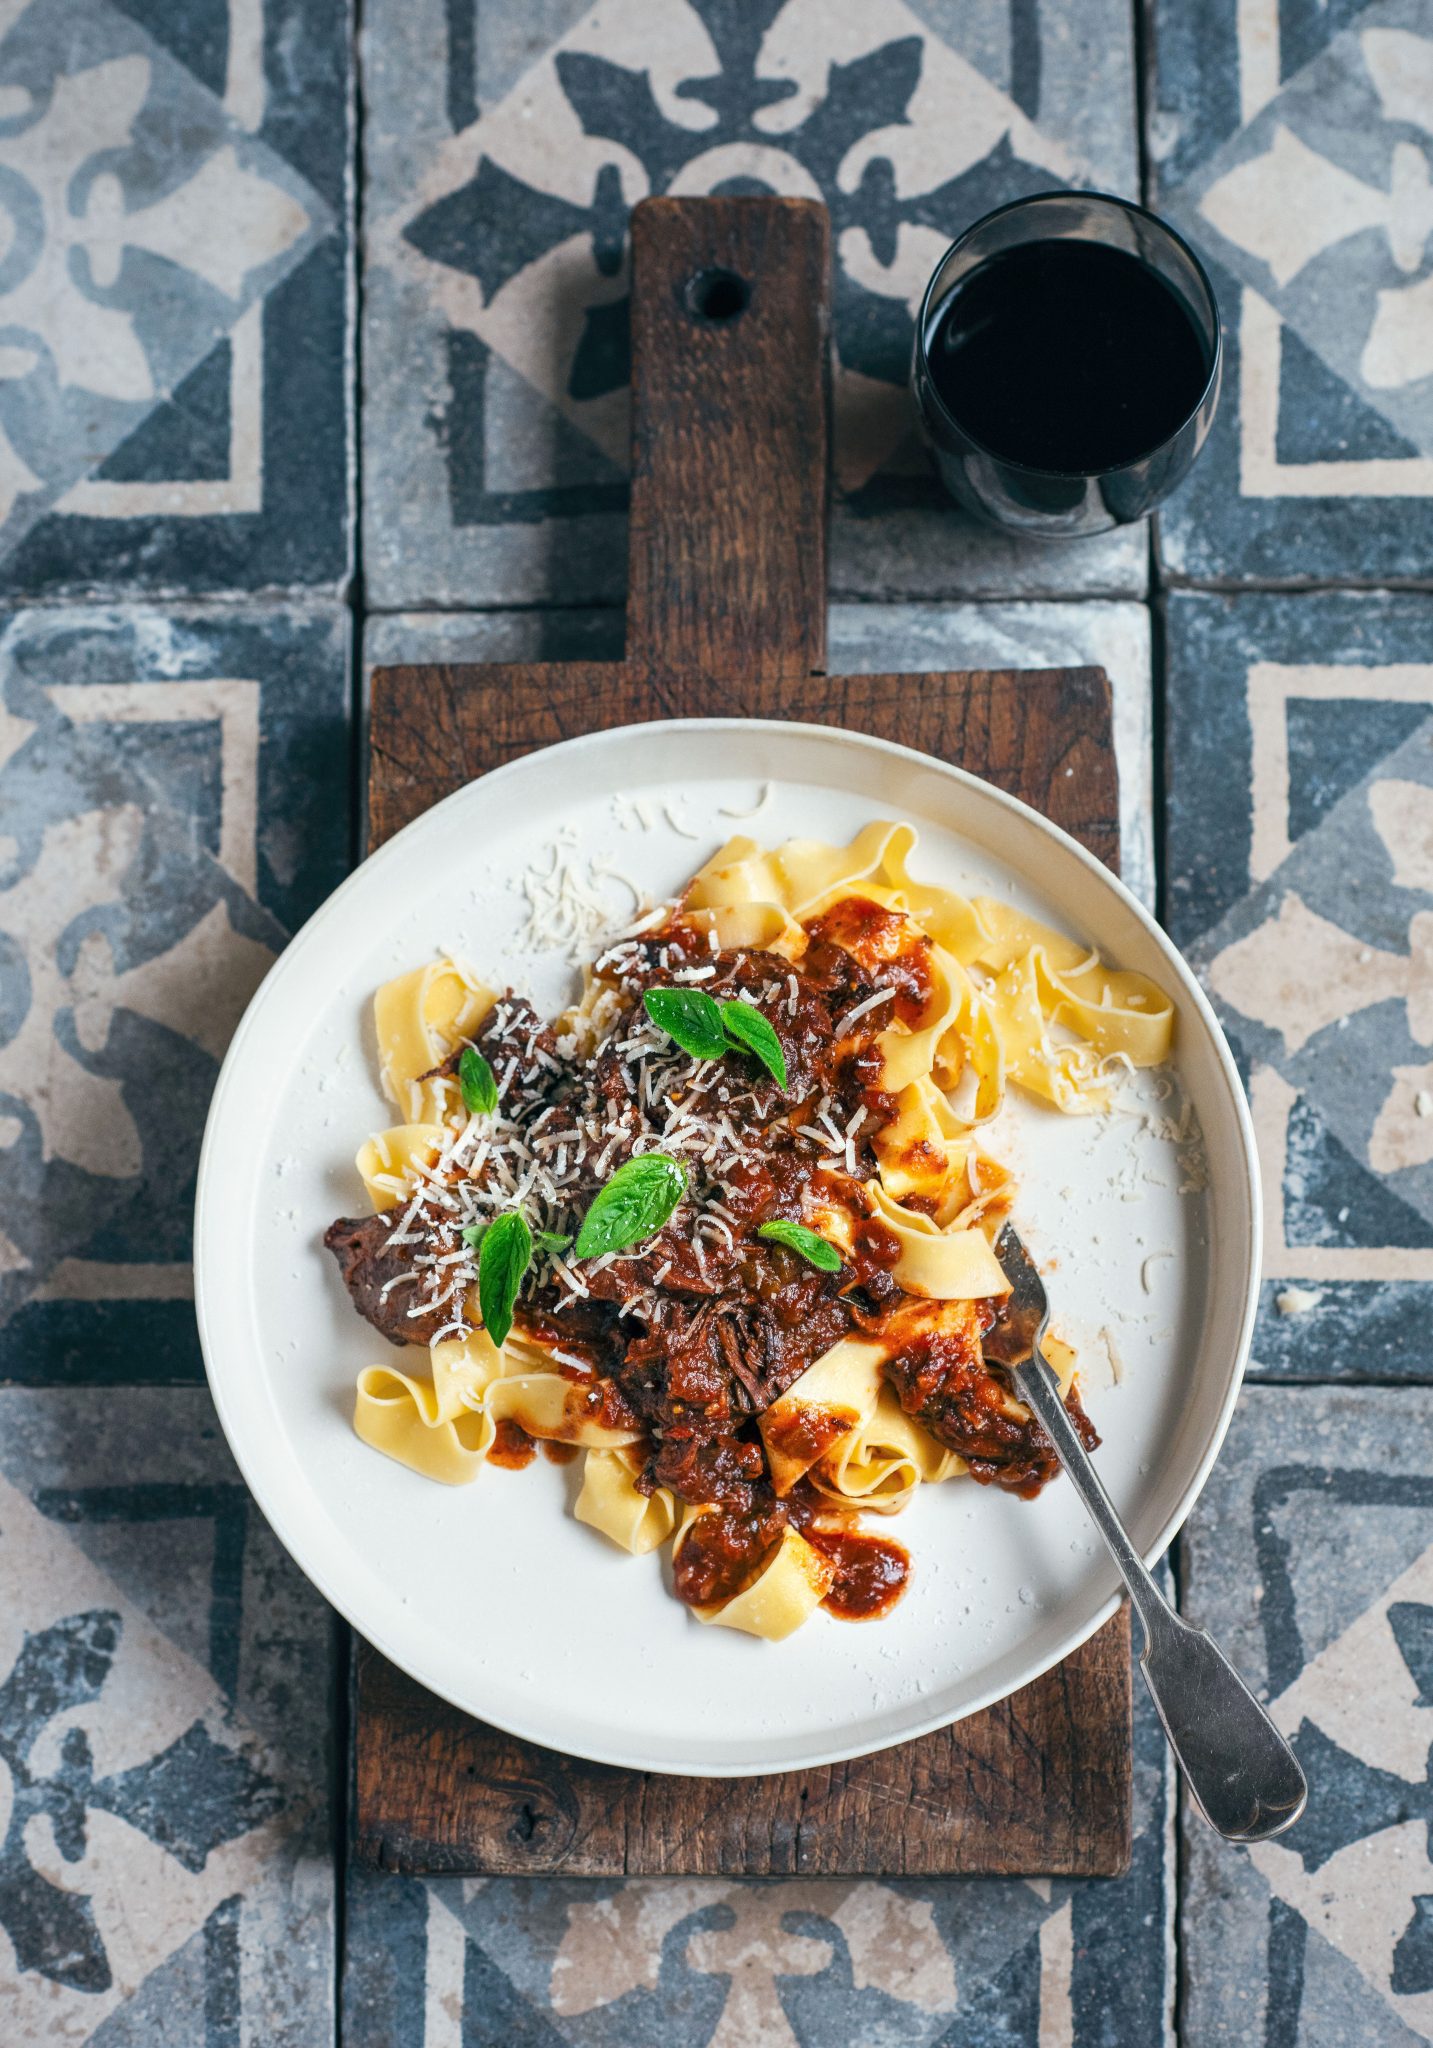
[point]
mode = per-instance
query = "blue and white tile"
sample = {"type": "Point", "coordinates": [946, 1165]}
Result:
{"type": "Point", "coordinates": [965, 1963]}
{"type": "Point", "coordinates": [1310, 1556]}
{"type": "Point", "coordinates": [175, 378]}
{"type": "Point", "coordinates": [174, 790]}
{"type": "Point", "coordinates": [1297, 726]}
{"type": "Point", "coordinates": [165, 1689]}
{"type": "Point", "coordinates": [499, 180]}
{"type": "Point", "coordinates": [864, 639]}
{"type": "Point", "coordinates": [1295, 146]}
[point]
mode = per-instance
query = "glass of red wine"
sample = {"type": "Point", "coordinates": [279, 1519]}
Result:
{"type": "Point", "coordinates": [1066, 364]}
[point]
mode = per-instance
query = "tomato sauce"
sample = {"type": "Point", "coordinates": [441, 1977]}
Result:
{"type": "Point", "coordinates": [892, 950]}
{"type": "Point", "coordinates": [803, 1433]}
{"type": "Point", "coordinates": [512, 1447]}
{"type": "Point", "coordinates": [722, 1553]}
{"type": "Point", "coordinates": [967, 1404]}
{"type": "Point", "coordinates": [871, 1572]}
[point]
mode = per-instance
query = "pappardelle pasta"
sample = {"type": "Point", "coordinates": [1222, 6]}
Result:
{"type": "Point", "coordinates": [725, 1227]}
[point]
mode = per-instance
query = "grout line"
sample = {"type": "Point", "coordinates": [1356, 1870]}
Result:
{"type": "Point", "coordinates": [333, 596]}
{"type": "Point", "coordinates": [325, 597]}
{"type": "Point", "coordinates": [1159, 762]}
{"type": "Point", "coordinates": [1142, 55]}
{"type": "Point", "coordinates": [342, 1714]}
{"type": "Point", "coordinates": [316, 596]}
{"type": "Point", "coordinates": [1158, 588]}
{"type": "Point", "coordinates": [1387, 1382]}
{"type": "Point", "coordinates": [340, 1795]}
{"type": "Point", "coordinates": [355, 596]}
{"type": "Point", "coordinates": [1311, 586]}
{"type": "Point", "coordinates": [873, 604]}
{"type": "Point", "coordinates": [1074, 600]}
{"type": "Point", "coordinates": [1142, 27]}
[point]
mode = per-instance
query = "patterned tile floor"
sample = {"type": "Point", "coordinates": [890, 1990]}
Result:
{"type": "Point", "coordinates": [180, 689]}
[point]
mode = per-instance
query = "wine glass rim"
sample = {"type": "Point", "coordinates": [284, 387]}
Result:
{"type": "Point", "coordinates": [1116, 203]}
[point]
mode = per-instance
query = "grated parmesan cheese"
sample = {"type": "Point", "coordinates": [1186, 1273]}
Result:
{"type": "Point", "coordinates": [734, 811]}
{"type": "Point", "coordinates": [1145, 1266]}
{"type": "Point", "coordinates": [678, 823]}
{"type": "Point", "coordinates": [565, 912]}
{"type": "Point", "coordinates": [843, 1024]}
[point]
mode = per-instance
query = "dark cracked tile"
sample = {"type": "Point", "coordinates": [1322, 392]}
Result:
{"type": "Point", "coordinates": [1291, 143]}
{"type": "Point", "coordinates": [1300, 758]}
{"type": "Point", "coordinates": [165, 1681]}
{"type": "Point", "coordinates": [1310, 1556]}
{"type": "Point", "coordinates": [175, 790]}
{"type": "Point", "coordinates": [176, 380]}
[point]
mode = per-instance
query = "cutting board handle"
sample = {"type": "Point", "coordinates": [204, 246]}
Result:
{"type": "Point", "coordinates": [731, 309]}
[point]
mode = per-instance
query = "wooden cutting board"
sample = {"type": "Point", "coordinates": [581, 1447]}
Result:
{"type": "Point", "coordinates": [726, 615]}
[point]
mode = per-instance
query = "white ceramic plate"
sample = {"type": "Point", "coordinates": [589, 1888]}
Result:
{"type": "Point", "coordinates": [492, 1595]}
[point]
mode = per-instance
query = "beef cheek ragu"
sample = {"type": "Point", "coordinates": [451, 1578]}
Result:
{"type": "Point", "coordinates": [382, 1280]}
{"type": "Point", "coordinates": [695, 1332]}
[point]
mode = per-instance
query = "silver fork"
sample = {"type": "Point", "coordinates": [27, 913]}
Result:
{"type": "Point", "coordinates": [1241, 1773]}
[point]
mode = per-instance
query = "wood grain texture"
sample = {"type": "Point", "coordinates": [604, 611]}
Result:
{"type": "Point", "coordinates": [727, 549]}
{"type": "Point", "coordinates": [1042, 734]}
{"type": "Point", "coordinates": [1038, 1786]}
{"type": "Point", "coordinates": [728, 581]}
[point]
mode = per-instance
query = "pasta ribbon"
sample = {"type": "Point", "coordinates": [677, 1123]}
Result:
{"type": "Point", "coordinates": [926, 1153]}
{"type": "Point", "coordinates": [829, 1402]}
{"type": "Point", "coordinates": [611, 1503]}
{"type": "Point", "coordinates": [787, 1590]}
{"type": "Point", "coordinates": [420, 1018]}
{"type": "Point", "coordinates": [944, 1265]}
{"type": "Point", "coordinates": [971, 1039]}
{"type": "Point", "coordinates": [1043, 978]}
{"type": "Point", "coordinates": [549, 1406]}
{"type": "Point", "coordinates": [910, 1053]}
{"type": "Point", "coordinates": [923, 1149]}
{"type": "Point", "coordinates": [1060, 1358]}
{"type": "Point", "coordinates": [880, 1464]}
{"type": "Point", "coordinates": [438, 1427]}
{"type": "Point", "coordinates": [797, 878]}
{"type": "Point", "coordinates": [390, 1160]}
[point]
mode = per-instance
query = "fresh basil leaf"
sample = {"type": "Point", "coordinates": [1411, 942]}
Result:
{"type": "Point", "coordinates": [689, 1016]}
{"type": "Point", "coordinates": [635, 1202]}
{"type": "Point", "coordinates": [502, 1260]}
{"type": "Point", "coordinates": [472, 1235]}
{"type": "Point", "coordinates": [749, 1030]}
{"type": "Point", "coordinates": [551, 1240]}
{"type": "Point", "coordinates": [475, 1078]}
{"type": "Point", "coordinates": [815, 1250]}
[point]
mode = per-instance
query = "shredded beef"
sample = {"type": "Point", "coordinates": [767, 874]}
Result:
{"type": "Point", "coordinates": [963, 1401]}
{"type": "Point", "coordinates": [696, 1333]}
{"type": "Point", "coordinates": [513, 1035]}
{"type": "Point", "coordinates": [359, 1243]}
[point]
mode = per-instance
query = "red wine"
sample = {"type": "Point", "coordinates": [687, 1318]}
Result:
{"type": "Point", "coordinates": [1068, 356]}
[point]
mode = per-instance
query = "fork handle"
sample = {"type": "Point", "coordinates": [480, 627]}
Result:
{"type": "Point", "coordinates": [1241, 1773]}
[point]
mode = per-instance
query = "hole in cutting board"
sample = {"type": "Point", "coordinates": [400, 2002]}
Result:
{"type": "Point", "coordinates": [716, 296]}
